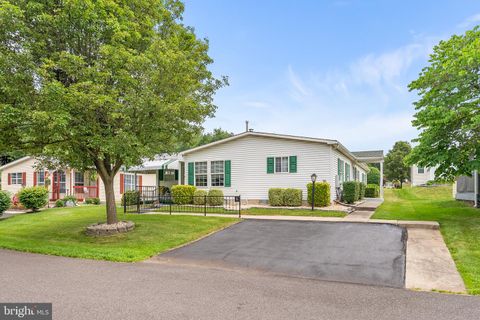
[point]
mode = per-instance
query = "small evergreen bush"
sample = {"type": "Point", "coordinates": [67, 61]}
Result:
{"type": "Point", "coordinates": [292, 197]}
{"type": "Point", "coordinates": [95, 201]}
{"type": "Point", "coordinates": [199, 197]}
{"type": "Point", "coordinates": [33, 198]}
{"type": "Point", "coordinates": [70, 198]}
{"type": "Point", "coordinates": [59, 203]}
{"type": "Point", "coordinates": [275, 196]}
{"type": "Point", "coordinates": [5, 201]}
{"type": "Point", "coordinates": [351, 191]}
{"type": "Point", "coordinates": [372, 191]}
{"type": "Point", "coordinates": [322, 194]}
{"type": "Point", "coordinates": [362, 190]}
{"type": "Point", "coordinates": [215, 197]}
{"type": "Point", "coordinates": [130, 198]}
{"type": "Point", "coordinates": [183, 194]}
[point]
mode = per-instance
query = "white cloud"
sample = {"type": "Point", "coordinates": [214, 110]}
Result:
{"type": "Point", "coordinates": [299, 89]}
{"type": "Point", "coordinates": [470, 21]}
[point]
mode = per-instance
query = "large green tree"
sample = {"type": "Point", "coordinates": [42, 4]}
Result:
{"type": "Point", "coordinates": [448, 111]}
{"type": "Point", "coordinates": [205, 138]}
{"type": "Point", "coordinates": [101, 84]}
{"type": "Point", "coordinates": [395, 166]}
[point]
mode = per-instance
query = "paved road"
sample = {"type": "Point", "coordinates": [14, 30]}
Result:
{"type": "Point", "coordinates": [347, 252]}
{"type": "Point", "coordinates": [87, 289]}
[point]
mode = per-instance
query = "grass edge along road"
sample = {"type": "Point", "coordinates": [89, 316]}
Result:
{"type": "Point", "coordinates": [459, 224]}
{"type": "Point", "coordinates": [61, 231]}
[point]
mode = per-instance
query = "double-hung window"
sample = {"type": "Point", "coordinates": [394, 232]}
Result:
{"type": "Point", "coordinates": [421, 170]}
{"type": "Point", "coordinates": [16, 178]}
{"type": "Point", "coordinates": [341, 170]}
{"type": "Point", "coordinates": [281, 164]}
{"type": "Point", "coordinates": [217, 173]}
{"type": "Point", "coordinates": [201, 179]}
{"type": "Point", "coordinates": [129, 182]}
{"type": "Point", "coordinates": [79, 179]}
{"type": "Point", "coordinates": [40, 178]}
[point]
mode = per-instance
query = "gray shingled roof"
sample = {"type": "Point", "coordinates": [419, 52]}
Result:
{"type": "Point", "coordinates": [368, 154]}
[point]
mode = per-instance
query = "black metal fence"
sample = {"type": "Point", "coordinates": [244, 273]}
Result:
{"type": "Point", "coordinates": [148, 199]}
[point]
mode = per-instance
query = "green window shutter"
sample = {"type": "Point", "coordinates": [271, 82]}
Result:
{"type": "Point", "coordinates": [228, 173]}
{"type": "Point", "coordinates": [347, 172]}
{"type": "Point", "coordinates": [293, 164]}
{"type": "Point", "coordinates": [339, 167]}
{"type": "Point", "coordinates": [270, 165]}
{"type": "Point", "coordinates": [176, 175]}
{"type": "Point", "coordinates": [191, 173]}
{"type": "Point", "coordinates": [160, 175]}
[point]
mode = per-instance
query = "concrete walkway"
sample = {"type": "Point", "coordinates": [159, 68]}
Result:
{"type": "Point", "coordinates": [429, 264]}
{"type": "Point", "coordinates": [364, 210]}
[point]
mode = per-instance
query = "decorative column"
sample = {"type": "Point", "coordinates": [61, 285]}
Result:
{"type": "Point", "coordinates": [381, 179]}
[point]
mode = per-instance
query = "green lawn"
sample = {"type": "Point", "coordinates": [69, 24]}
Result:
{"type": "Point", "coordinates": [459, 224]}
{"type": "Point", "coordinates": [292, 212]}
{"type": "Point", "coordinates": [60, 231]}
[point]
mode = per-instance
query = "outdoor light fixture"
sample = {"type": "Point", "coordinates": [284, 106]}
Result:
{"type": "Point", "coordinates": [314, 178]}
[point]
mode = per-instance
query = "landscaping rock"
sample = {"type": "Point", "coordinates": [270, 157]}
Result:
{"type": "Point", "coordinates": [103, 229]}
{"type": "Point", "coordinates": [70, 204]}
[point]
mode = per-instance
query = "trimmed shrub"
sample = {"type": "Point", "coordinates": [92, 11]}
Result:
{"type": "Point", "coordinates": [33, 198]}
{"type": "Point", "coordinates": [199, 197]}
{"type": "Point", "coordinates": [322, 194]}
{"type": "Point", "coordinates": [183, 194]}
{"type": "Point", "coordinates": [292, 197]}
{"type": "Point", "coordinates": [350, 191]}
{"type": "Point", "coordinates": [95, 201]}
{"type": "Point", "coordinates": [59, 203]}
{"type": "Point", "coordinates": [215, 197]}
{"type": "Point", "coordinates": [275, 196]}
{"type": "Point", "coordinates": [5, 201]}
{"type": "Point", "coordinates": [372, 191]}
{"type": "Point", "coordinates": [373, 176]}
{"type": "Point", "coordinates": [362, 190]}
{"type": "Point", "coordinates": [130, 197]}
{"type": "Point", "coordinates": [70, 198]}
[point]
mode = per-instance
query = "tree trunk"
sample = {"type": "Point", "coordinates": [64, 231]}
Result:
{"type": "Point", "coordinates": [110, 200]}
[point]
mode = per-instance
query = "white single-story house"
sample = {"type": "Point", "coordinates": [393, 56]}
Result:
{"type": "Point", "coordinates": [419, 176]}
{"type": "Point", "coordinates": [250, 163]}
{"type": "Point", "coordinates": [24, 173]}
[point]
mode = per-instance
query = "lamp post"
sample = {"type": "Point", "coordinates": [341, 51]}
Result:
{"type": "Point", "coordinates": [314, 178]}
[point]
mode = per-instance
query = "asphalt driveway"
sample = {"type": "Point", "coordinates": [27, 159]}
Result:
{"type": "Point", "coordinates": [346, 252]}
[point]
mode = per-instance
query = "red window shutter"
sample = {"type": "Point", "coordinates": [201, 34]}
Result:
{"type": "Point", "coordinates": [140, 182]}
{"type": "Point", "coordinates": [35, 178]}
{"type": "Point", "coordinates": [122, 183]}
{"type": "Point", "coordinates": [24, 178]}
{"type": "Point", "coordinates": [9, 179]}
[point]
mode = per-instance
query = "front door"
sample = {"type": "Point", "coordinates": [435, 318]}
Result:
{"type": "Point", "coordinates": [59, 185]}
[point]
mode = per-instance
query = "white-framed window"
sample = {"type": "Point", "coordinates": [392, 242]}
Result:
{"type": "Point", "coordinates": [201, 178]}
{"type": "Point", "coordinates": [130, 182]}
{"type": "Point", "coordinates": [40, 178]}
{"type": "Point", "coordinates": [217, 173]}
{"type": "Point", "coordinates": [281, 164]}
{"type": "Point", "coordinates": [16, 178]}
{"type": "Point", "coordinates": [79, 178]}
{"type": "Point", "coordinates": [421, 170]}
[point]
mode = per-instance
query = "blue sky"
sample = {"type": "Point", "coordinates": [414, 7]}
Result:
{"type": "Point", "coordinates": [329, 69]}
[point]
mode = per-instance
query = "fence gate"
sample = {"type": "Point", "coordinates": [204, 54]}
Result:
{"type": "Point", "coordinates": [148, 199]}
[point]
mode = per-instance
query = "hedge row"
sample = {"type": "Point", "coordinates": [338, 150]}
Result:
{"type": "Point", "coordinates": [186, 194]}
{"type": "Point", "coordinates": [372, 191]}
{"type": "Point", "coordinates": [353, 191]}
{"type": "Point", "coordinates": [285, 197]}
{"type": "Point", "coordinates": [322, 194]}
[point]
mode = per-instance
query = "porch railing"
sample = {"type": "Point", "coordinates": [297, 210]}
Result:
{"type": "Point", "coordinates": [85, 192]}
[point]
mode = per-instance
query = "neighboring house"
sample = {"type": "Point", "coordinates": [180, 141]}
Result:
{"type": "Point", "coordinates": [250, 163]}
{"type": "Point", "coordinates": [165, 168]}
{"type": "Point", "coordinates": [24, 173]}
{"type": "Point", "coordinates": [419, 176]}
